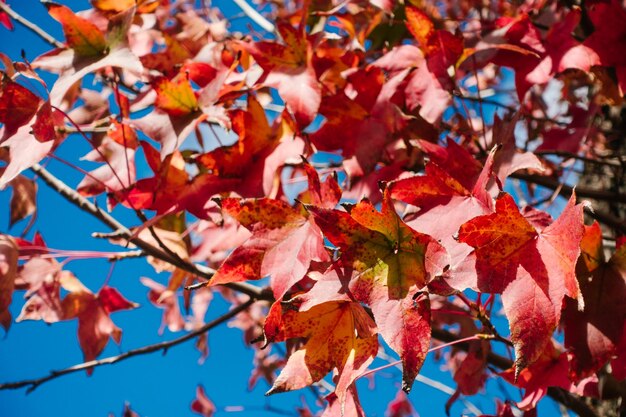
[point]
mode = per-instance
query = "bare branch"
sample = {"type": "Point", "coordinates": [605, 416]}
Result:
{"type": "Point", "coordinates": [120, 230]}
{"type": "Point", "coordinates": [566, 190]}
{"type": "Point", "coordinates": [255, 16]}
{"type": "Point", "coordinates": [164, 346]}
{"type": "Point", "coordinates": [557, 394]}
{"type": "Point", "coordinates": [30, 25]}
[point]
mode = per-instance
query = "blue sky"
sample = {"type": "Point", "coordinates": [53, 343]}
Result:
{"type": "Point", "coordinates": [154, 385]}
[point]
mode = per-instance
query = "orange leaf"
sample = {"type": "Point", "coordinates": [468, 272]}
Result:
{"type": "Point", "coordinates": [339, 335]}
{"type": "Point", "coordinates": [176, 96]}
{"type": "Point", "coordinates": [81, 35]}
{"type": "Point", "coordinates": [420, 25]}
{"type": "Point", "coordinates": [143, 6]}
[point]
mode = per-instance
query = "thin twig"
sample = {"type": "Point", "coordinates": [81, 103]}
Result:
{"type": "Point", "coordinates": [255, 16]}
{"type": "Point", "coordinates": [566, 190]}
{"type": "Point", "coordinates": [30, 25]}
{"type": "Point", "coordinates": [122, 231]}
{"type": "Point", "coordinates": [559, 395]}
{"type": "Point", "coordinates": [164, 346]}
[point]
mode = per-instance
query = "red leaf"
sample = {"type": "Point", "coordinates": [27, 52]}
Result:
{"type": "Point", "coordinates": [608, 39]}
{"type": "Point", "coordinates": [533, 270]}
{"type": "Point", "coordinates": [288, 69]}
{"type": "Point", "coordinates": [94, 324]}
{"type": "Point", "coordinates": [392, 262]}
{"type": "Point", "coordinates": [23, 199]}
{"type": "Point", "coordinates": [81, 35]}
{"type": "Point", "coordinates": [8, 272]}
{"type": "Point", "coordinates": [17, 107]}
{"type": "Point", "coordinates": [202, 404]}
{"type": "Point", "coordinates": [282, 245]}
{"type": "Point", "coordinates": [338, 335]}
{"type": "Point", "coordinates": [5, 20]}
{"type": "Point", "coordinates": [593, 335]}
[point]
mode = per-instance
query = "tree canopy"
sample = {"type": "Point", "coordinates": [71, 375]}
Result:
{"type": "Point", "coordinates": [367, 185]}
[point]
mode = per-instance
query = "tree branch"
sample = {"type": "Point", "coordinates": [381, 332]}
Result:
{"type": "Point", "coordinates": [566, 190]}
{"type": "Point", "coordinates": [30, 25]}
{"type": "Point", "coordinates": [164, 346]}
{"type": "Point", "coordinates": [255, 16]}
{"type": "Point", "coordinates": [120, 230]}
{"type": "Point", "coordinates": [254, 292]}
{"type": "Point", "coordinates": [557, 394]}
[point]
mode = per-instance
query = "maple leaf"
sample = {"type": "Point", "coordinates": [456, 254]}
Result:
{"type": "Point", "coordinates": [29, 130]}
{"type": "Point", "coordinates": [454, 187]}
{"type": "Point", "coordinates": [400, 406]}
{"type": "Point", "coordinates": [23, 198]}
{"type": "Point", "coordinates": [18, 105]}
{"type": "Point", "coordinates": [442, 48]}
{"type": "Point", "coordinates": [250, 166]}
{"type": "Point", "coordinates": [93, 310]}
{"type": "Point", "coordinates": [265, 366]}
{"type": "Point", "coordinates": [351, 406]}
{"type": "Point", "coordinates": [593, 335]}
{"type": "Point", "coordinates": [608, 39]}
{"type": "Point", "coordinates": [392, 263]}
{"type": "Point", "coordinates": [5, 20]}
{"type": "Point", "coordinates": [283, 244]}
{"type": "Point", "coordinates": [8, 272]}
{"type": "Point", "coordinates": [163, 190]}
{"type": "Point", "coordinates": [518, 44]}
{"type": "Point", "coordinates": [533, 270]}
{"type": "Point", "coordinates": [338, 335]}
{"type": "Point", "coordinates": [117, 174]}
{"type": "Point", "coordinates": [550, 370]}
{"type": "Point", "coordinates": [288, 68]}
{"type": "Point", "coordinates": [163, 298]}
{"type": "Point", "coordinates": [116, 6]}
{"type": "Point", "coordinates": [368, 116]}
{"type": "Point", "coordinates": [467, 366]}
{"type": "Point", "coordinates": [88, 49]}
{"type": "Point", "coordinates": [428, 84]}
{"type": "Point", "coordinates": [42, 279]}
{"type": "Point", "coordinates": [202, 404]}
{"type": "Point", "coordinates": [509, 159]}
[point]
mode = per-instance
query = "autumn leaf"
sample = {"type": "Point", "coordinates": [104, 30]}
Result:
{"type": "Point", "coordinates": [18, 105]}
{"type": "Point", "coordinates": [288, 68]}
{"type": "Point", "coordinates": [81, 35]}
{"type": "Point", "coordinates": [351, 406]}
{"type": "Point", "coordinates": [454, 187]}
{"type": "Point", "coordinates": [167, 300]}
{"type": "Point", "coordinates": [550, 370]}
{"type": "Point", "coordinates": [5, 20]}
{"type": "Point", "coordinates": [143, 6]}
{"type": "Point", "coordinates": [175, 97]}
{"type": "Point", "coordinates": [23, 199]}
{"type": "Point", "coordinates": [607, 39]}
{"type": "Point", "coordinates": [283, 244]}
{"type": "Point", "coordinates": [95, 327]}
{"type": "Point", "coordinates": [202, 404]}
{"type": "Point", "coordinates": [8, 272]}
{"type": "Point", "coordinates": [89, 50]}
{"type": "Point", "coordinates": [338, 335]}
{"type": "Point", "coordinates": [534, 271]}
{"type": "Point", "coordinates": [593, 335]}
{"type": "Point", "coordinates": [392, 263]}
{"type": "Point", "coordinates": [117, 173]}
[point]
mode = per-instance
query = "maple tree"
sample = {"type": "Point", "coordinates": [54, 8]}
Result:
{"type": "Point", "coordinates": [367, 185]}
